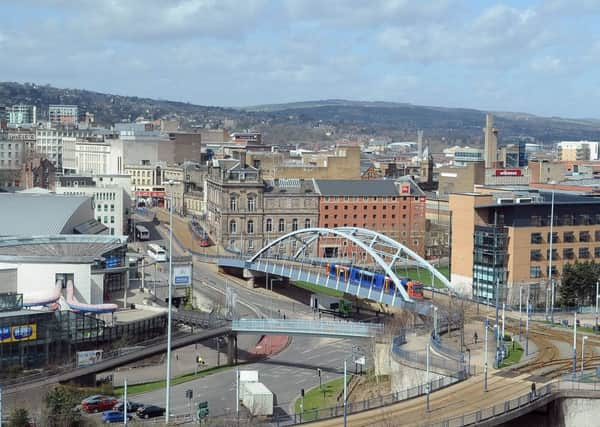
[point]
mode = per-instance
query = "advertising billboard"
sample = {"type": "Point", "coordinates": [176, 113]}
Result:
{"type": "Point", "coordinates": [508, 172]}
{"type": "Point", "coordinates": [19, 333]}
{"type": "Point", "coordinates": [182, 275]}
{"type": "Point", "coordinates": [88, 358]}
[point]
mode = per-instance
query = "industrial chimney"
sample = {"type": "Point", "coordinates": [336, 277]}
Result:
{"type": "Point", "coordinates": [490, 142]}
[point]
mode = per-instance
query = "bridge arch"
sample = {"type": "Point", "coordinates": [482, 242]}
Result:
{"type": "Point", "coordinates": [383, 250]}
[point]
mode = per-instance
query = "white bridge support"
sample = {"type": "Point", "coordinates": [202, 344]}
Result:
{"type": "Point", "coordinates": [385, 253]}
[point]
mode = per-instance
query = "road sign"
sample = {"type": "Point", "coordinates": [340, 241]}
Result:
{"type": "Point", "coordinates": [360, 361]}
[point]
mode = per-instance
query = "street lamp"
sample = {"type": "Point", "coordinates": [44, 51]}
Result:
{"type": "Point", "coordinates": [574, 344]}
{"type": "Point", "coordinates": [435, 328]}
{"type": "Point", "coordinates": [485, 356]}
{"type": "Point", "coordinates": [597, 283]}
{"type": "Point", "coordinates": [345, 395]}
{"type": "Point", "coordinates": [169, 302]}
{"type": "Point", "coordinates": [427, 388]}
{"type": "Point", "coordinates": [550, 258]}
{"type": "Point", "coordinates": [583, 340]}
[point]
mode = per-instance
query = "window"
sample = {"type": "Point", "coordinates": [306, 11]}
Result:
{"type": "Point", "coordinates": [584, 253]}
{"type": "Point", "coordinates": [597, 235]}
{"type": "Point", "coordinates": [251, 203]}
{"type": "Point", "coordinates": [568, 253]}
{"type": "Point", "coordinates": [112, 219]}
{"type": "Point", "coordinates": [554, 254]}
{"type": "Point", "coordinates": [326, 216]}
{"type": "Point", "coordinates": [281, 225]}
{"type": "Point", "coordinates": [554, 237]}
{"type": "Point", "coordinates": [584, 236]}
{"type": "Point", "coordinates": [307, 223]}
{"type": "Point", "coordinates": [536, 238]}
{"type": "Point", "coordinates": [105, 208]}
{"type": "Point", "coordinates": [535, 255]}
{"type": "Point", "coordinates": [112, 208]}
{"type": "Point", "coordinates": [105, 220]}
{"type": "Point", "coordinates": [233, 202]}
{"type": "Point", "coordinates": [232, 227]}
{"type": "Point", "coordinates": [597, 252]}
{"type": "Point", "coordinates": [112, 230]}
{"type": "Point", "coordinates": [250, 244]}
{"type": "Point", "coordinates": [535, 272]}
{"type": "Point", "coordinates": [250, 227]}
{"type": "Point", "coordinates": [294, 224]}
{"type": "Point", "coordinates": [569, 236]}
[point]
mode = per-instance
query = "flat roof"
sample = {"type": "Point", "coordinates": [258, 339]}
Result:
{"type": "Point", "coordinates": [356, 187]}
{"type": "Point", "coordinates": [67, 248]}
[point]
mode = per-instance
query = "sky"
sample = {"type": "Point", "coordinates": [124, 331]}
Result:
{"type": "Point", "coordinates": [539, 57]}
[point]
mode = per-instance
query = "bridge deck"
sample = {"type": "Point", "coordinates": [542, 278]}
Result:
{"type": "Point", "coordinates": [306, 327]}
{"type": "Point", "coordinates": [318, 276]}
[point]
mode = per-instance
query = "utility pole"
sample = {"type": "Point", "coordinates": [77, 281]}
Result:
{"type": "Point", "coordinates": [503, 318]}
{"type": "Point", "coordinates": [497, 321]}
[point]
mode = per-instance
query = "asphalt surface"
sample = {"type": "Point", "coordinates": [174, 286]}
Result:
{"type": "Point", "coordinates": [285, 374]}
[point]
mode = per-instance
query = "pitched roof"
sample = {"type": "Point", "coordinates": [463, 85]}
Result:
{"type": "Point", "coordinates": [37, 214]}
{"type": "Point", "coordinates": [355, 187]}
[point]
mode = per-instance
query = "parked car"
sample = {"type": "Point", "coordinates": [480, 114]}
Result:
{"type": "Point", "coordinates": [114, 417]}
{"type": "Point", "coordinates": [131, 406]}
{"type": "Point", "coordinates": [98, 403]}
{"type": "Point", "coordinates": [150, 411]}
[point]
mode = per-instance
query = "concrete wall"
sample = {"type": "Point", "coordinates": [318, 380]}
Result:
{"type": "Point", "coordinates": [40, 279]}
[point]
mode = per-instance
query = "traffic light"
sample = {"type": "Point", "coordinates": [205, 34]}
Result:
{"type": "Point", "coordinates": [302, 392]}
{"type": "Point", "coordinates": [319, 372]}
{"type": "Point", "coordinates": [202, 410]}
{"type": "Point", "coordinates": [189, 394]}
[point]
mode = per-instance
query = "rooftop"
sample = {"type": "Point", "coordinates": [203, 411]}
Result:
{"type": "Point", "coordinates": [79, 249]}
{"type": "Point", "coordinates": [26, 214]}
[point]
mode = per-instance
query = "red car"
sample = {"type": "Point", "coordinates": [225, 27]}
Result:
{"type": "Point", "coordinates": [98, 403]}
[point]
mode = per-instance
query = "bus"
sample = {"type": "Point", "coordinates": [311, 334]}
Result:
{"type": "Point", "coordinates": [157, 252]}
{"type": "Point", "coordinates": [141, 233]}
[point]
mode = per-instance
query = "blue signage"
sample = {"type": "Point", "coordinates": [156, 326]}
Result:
{"type": "Point", "coordinates": [182, 280]}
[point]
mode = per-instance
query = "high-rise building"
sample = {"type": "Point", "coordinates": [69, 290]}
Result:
{"type": "Point", "coordinates": [63, 115]}
{"type": "Point", "coordinates": [501, 238]}
{"type": "Point", "coordinates": [21, 115]}
{"type": "Point", "coordinates": [578, 150]}
{"type": "Point", "coordinates": [490, 142]}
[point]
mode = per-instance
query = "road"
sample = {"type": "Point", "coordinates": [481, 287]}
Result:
{"type": "Point", "coordinates": [284, 374]}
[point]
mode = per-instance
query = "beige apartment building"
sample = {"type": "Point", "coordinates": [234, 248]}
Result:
{"type": "Point", "coordinates": [501, 238]}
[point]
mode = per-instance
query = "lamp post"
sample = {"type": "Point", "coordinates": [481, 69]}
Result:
{"type": "Point", "coordinates": [585, 337]}
{"type": "Point", "coordinates": [435, 329]}
{"type": "Point", "coordinates": [170, 310]}
{"type": "Point", "coordinates": [597, 283]}
{"type": "Point", "coordinates": [527, 325]}
{"type": "Point", "coordinates": [574, 344]}
{"type": "Point", "coordinates": [485, 356]}
{"type": "Point", "coordinates": [550, 258]}
{"type": "Point", "coordinates": [125, 402]}
{"type": "Point", "coordinates": [345, 396]}
{"type": "Point", "coordinates": [520, 310]}
{"type": "Point", "coordinates": [427, 377]}
{"type": "Point", "coordinates": [469, 362]}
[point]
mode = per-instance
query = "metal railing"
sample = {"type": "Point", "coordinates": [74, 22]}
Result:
{"type": "Point", "coordinates": [435, 362]}
{"type": "Point", "coordinates": [320, 327]}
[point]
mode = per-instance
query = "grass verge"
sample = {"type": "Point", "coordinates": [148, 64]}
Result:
{"type": "Point", "coordinates": [156, 385]}
{"type": "Point", "coordinates": [320, 398]}
{"type": "Point", "coordinates": [514, 356]}
{"type": "Point", "coordinates": [319, 289]}
{"type": "Point", "coordinates": [423, 275]}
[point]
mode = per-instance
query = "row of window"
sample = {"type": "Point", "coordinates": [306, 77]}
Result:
{"type": "Point", "coordinates": [384, 216]}
{"type": "Point", "coordinates": [99, 207]}
{"type": "Point", "coordinates": [355, 207]}
{"type": "Point", "coordinates": [373, 226]}
{"type": "Point", "coordinates": [535, 271]}
{"type": "Point", "coordinates": [9, 146]}
{"type": "Point", "coordinates": [233, 228]}
{"type": "Point", "coordinates": [365, 198]}
{"type": "Point", "coordinates": [105, 196]}
{"type": "Point", "coordinates": [9, 162]}
{"type": "Point", "coordinates": [567, 253]}
{"type": "Point", "coordinates": [233, 203]}
{"type": "Point", "coordinates": [112, 220]}
{"type": "Point", "coordinates": [567, 237]}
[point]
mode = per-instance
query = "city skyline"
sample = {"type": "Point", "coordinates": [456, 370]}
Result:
{"type": "Point", "coordinates": [534, 57]}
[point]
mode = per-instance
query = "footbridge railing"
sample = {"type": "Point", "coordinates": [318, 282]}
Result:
{"type": "Point", "coordinates": [306, 327]}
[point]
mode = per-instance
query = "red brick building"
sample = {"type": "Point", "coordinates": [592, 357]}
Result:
{"type": "Point", "coordinates": [394, 208]}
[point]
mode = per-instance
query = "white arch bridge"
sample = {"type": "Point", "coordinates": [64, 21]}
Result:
{"type": "Point", "coordinates": [300, 256]}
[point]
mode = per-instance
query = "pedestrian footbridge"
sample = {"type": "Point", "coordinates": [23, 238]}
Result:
{"type": "Point", "coordinates": [330, 328]}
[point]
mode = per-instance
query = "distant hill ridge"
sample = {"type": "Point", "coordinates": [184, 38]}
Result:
{"type": "Point", "coordinates": [298, 120]}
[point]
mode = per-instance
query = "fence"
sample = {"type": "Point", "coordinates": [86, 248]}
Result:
{"type": "Point", "coordinates": [420, 358]}
{"type": "Point", "coordinates": [365, 405]}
